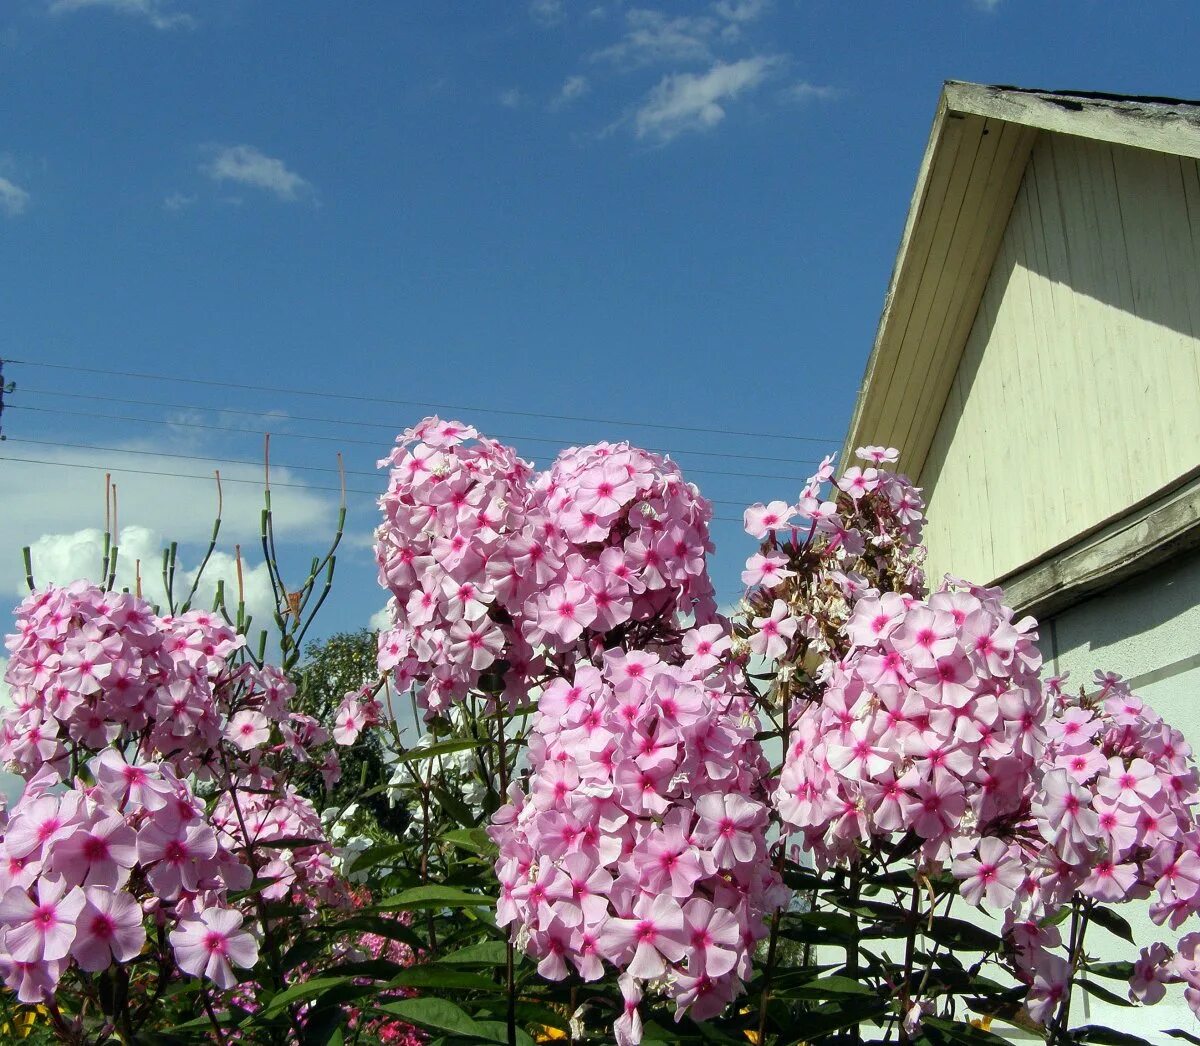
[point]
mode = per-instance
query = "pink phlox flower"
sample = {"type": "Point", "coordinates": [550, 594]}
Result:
{"type": "Point", "coordinates": [99, 853]}
{"type": "Point", "coordinates": [654, 936]}
{"type": "Point", "coordinates": [760, 519]}
{"type": "Point", "coordinates": [994, 875]}
{"type": "Point", "coordinates": [1051, 982]}
{"type": "Point", "coordinates": [248, 729]}
{"type": "Point", "coordinates": [109, 927]}
{"type": "Point", "coordinates": [773, 632]}
{"type": "Point", "coordinates": [766, 570]}
{"type": "Point", "coordinates": [878, 455]}
{"type": "Point", "coordinates": [212, 943]}
{"type": "Point", "coordinates": [1065, 816]}
{"type": "Point", "coordinates": [1151, 972]}
{"type": "Point", "coordinates": [40, 929]}
{"type": "Point", "coordinates": [1129, 785]}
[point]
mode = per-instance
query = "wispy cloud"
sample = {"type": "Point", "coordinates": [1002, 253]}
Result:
{"type": "Point", "coordinates": [987, 5]}
{"type": "Point", "coordinates": [178, 201]}
{"type": "Point", "coordinates": [803, 91]}
{"type": "Point", "coordinates": [547, 12]}
{"type": "Point", "coordinates": [13, 199]}
{"type": "Point", "coordinates": [246, 165]}
{"type": "Point", "coordinates": [683, 102]}
{"type": "Point", "coordinates": [511, 98]}
{"type": "Point", "coordinates": [158, 13]}
{"type": "Point", "coordinates": [652, 37]}
{"type": "Point", "coordinates": [573, 88]}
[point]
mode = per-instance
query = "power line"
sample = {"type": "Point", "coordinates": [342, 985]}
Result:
{"type": "Point", "coordinates": [323, 394]}
{"type": "Point", "coordinates": [25, 391]}
{"type": "Point", "coordinates": [224, 479]}
{"type": "Point", "coordinates": [311, 436]}
{"type": "Point", "coordinates": [234, 461]}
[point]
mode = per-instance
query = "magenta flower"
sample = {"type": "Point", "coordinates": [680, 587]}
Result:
{"type": "Point", "coordinates": [109, 927]}
{"type": "Point", "coordinates": [773, 632]}
{"type": "Point", "coordinates": [211, 944]}
{"type": "Point", "coordinates": [248, 729]}
{"type": "Point", "coordinates": [41, 930]}
{"type": "Point", "coordinates": [99, 854]}
{"type": "Point", "coordinates": [655, 936]}
{"type": "Point", "coordinates": [994, 876]}
{"type": "Point", "coordinates": [761, 519]}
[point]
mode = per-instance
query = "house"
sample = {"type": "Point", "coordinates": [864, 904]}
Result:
{"type": "Point", "coordinates": [1038, 366]}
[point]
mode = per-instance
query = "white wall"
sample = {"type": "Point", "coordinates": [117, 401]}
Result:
{"type": "Point", "coordinates": [1078, 391]}
{"type": "Point", "coordinates": [1148, 626]}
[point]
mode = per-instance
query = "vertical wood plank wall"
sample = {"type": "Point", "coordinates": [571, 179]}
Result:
{"type": "Point", "coordinates": [1078, 393]}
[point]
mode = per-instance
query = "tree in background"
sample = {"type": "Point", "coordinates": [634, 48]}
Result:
{"type": "Point", "coordinates": [342, 664]}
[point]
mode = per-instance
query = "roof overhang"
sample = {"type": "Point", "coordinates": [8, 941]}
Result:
{"type": "Point", "coordinates": [969, 177]}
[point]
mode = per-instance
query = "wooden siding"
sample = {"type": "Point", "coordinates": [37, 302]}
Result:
{"type": "Point", "coordinates": [1078, 391]}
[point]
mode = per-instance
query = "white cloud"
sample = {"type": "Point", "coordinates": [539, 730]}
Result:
{"type": "Point", "coordinates": [547, 12]}
{"type": "Point", "coordinates": [246, 165]}
{"type": "Point", "coordinates": [652, 37]}
{"type": "Point", "coordinates": [987, 5]}
{"type": "Point", "coordinates": [158, 13]}
{"type": "Point", "coordinates": [573, 88]}
{"type": "Point", "coordinates": [178, 201]}
{"type": "Point", "coordinates": [381, 619]}
{"type": "Point", "coordinates": [64, 498]}
{"type": "Point", "coordinates": [684, 102]}
{"type": "Point", "coordinates": [511, 98]}
{"type": "Point", "coordinates": [806, 92]}
{"type": "Point", "coordinates": [741, 11]}
{"type": "Point", "coordinates": [13, 199]}
{"type": "Point", "coordinates": [62, 558]}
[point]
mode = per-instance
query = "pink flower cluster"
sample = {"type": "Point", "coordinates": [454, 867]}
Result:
{"type": "Point", "coordinates": [495, 571]}
{"type": "Point", "coordinates": [641, 839]}
{"type": "Point", "coordinates": [930, 724]}
{"type": "Point", "coordinates": [152, 790]}
{"type": "Point", "coordinates": [820, 554]}
{"type": "Point", "coordinates": [1115, 818]}
{"type": "Point", "coordinates": [926, 719]}
{"type": "Point", "coordinates": [80, 869]}
{"type": "Point", "coordinates": [90, 668]}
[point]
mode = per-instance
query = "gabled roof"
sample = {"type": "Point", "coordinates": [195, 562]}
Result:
{"type": "Point", "coordinates": [972, 169]}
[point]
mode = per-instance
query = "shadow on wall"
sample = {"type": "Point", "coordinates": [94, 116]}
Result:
{"type": "Point", "coordinates": [1118, 225]}
{"type": "Point", "coordinates": [1142, 605]}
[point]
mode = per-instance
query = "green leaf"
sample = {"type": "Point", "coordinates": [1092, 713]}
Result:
{"type": "Point", "coordinates": [959, 1031]}
{"type": "Point", "coordinates": [302, 992]}
{"type": "Point", "coordinates": [1117, 971]}
{"type": "Point", "coordinates": [1186, 1036]}
{"type": "Point", "coordinates": [474, 840]}
{"type": "Point", "coordinates": [1112, 922]}
{"type": "Point", "coordinates": [377, 855]}
{"type": "Point", "coordinates": [963, 936]}
{"type": "Point", "coordinates": [454, 806]}
{"type": "Point", "coordinates": [362, 922]}
{"type": "Point", "coordinates": [832, 987]}
{"type": "Point", "coordinates": [433, 976]}
{"type": "Point", "coordinates": [486, 953]}
{"type": "Point", "coordinates": [441, 1015]}
{"type": "Point", "coordinates": [432, 896]}
{"type": "Point", "coordinates": [443, 748]}
{"type": "Point", "coordinates": [816, 1023]}
{"type": "Point", "coordinates": [499, 1029]}
{"type": "Point", "coordinates": [1092, 988]}
{"type": "Point", "coordinates": [290, 842]}
{"type": "Point", "coordinates": [1097, 1033]}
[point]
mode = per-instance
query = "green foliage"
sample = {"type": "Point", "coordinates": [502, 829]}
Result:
{"type": "Point", "coordinates": [332, 668]}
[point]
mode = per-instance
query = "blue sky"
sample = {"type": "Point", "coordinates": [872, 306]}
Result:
{"type": "Point", "coordinates": [682, 214]}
